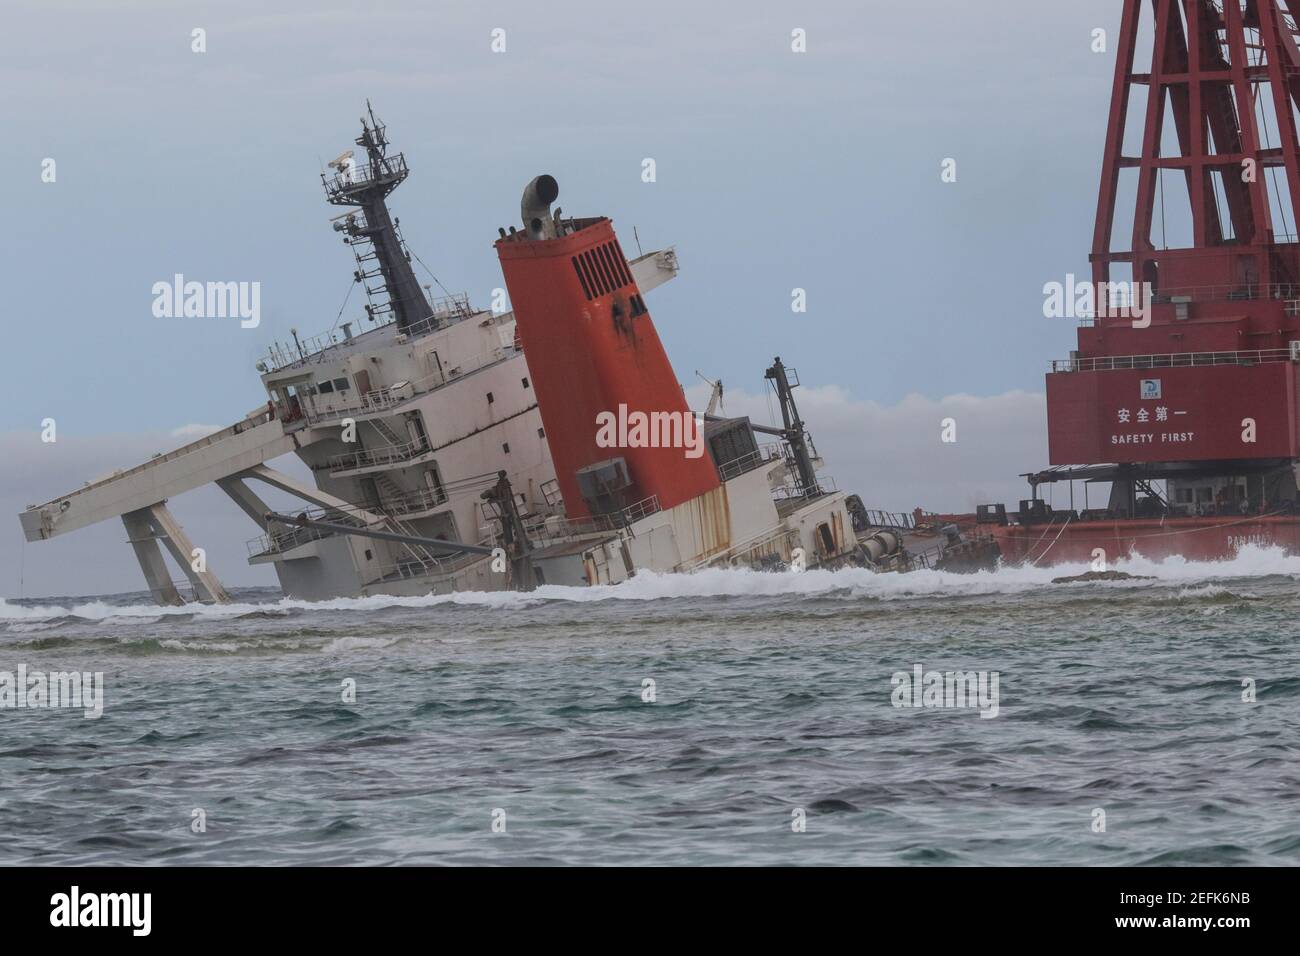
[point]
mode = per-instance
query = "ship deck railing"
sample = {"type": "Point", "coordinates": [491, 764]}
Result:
{"type": "Point", "coordinates": [1121, 304]}
{"type": "Point", "coordinates": [443, 311]}
{"type": "Point", "coordinates": [774, 540]}
{"type": "Point", "coordinates": [928, 558]}
{"type": "Point", "coordinates": [376, 400]}
{"type": "Point", "coordinates": [412, 502]}
{"type": "Point", "coordinates": [287, 537]}
{"type": "Point", "coordinates": [892, 520]}
{"type": "Point", "coordinates": [795, 491]}
{"type": "Point", "coordinates": [375, 457]}
{"type": "Point", "coordinates": [434, 567]}
{"type": "Point", "coordinates": [557, 529]}
{"type": "Point", "coordinates": [390, 168]}
{"type": "Point", "coordinates": [353, 222]}
{"type": "Point", "coordinates": [1239, 292]}
{"type": "Point", "coordinates": [1106, 363]}
{"type": "Point", "coordinates": [388, 398]}
{"type": "Point", "coordinates": [747, 463]}
{"type": "Point", "coordinates": [642, 509]}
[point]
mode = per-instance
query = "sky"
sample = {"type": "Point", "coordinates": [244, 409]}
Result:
{"type": "Point", "coordinates": [774, 170]}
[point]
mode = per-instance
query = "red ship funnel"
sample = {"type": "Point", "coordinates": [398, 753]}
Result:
{"type": "Point", "coordinates": [596, 361]}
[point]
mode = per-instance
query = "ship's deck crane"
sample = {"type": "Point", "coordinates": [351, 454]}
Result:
{"type": "Point", "coordinates": [715, 400]}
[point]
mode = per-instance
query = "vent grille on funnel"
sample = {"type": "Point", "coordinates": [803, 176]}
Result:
{"type": "Point", "coordinates": [602, 270]}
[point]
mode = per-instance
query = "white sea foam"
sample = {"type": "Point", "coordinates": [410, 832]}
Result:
{"type": "Point", "coordinates": [224, 647]}
{"type": "Point", "coordinates": [344, 644]}
{"type": "Point", "coordinates": [857, 583]}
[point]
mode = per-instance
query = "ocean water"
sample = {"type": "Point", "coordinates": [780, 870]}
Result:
{"type": "Point", "coordinates": [515, 729]}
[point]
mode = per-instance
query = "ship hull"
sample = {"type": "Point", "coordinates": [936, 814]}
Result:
{"type": "Point", "coordinates": [1195, 539]}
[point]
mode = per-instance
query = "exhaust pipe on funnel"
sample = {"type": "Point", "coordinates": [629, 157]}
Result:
{"type": "Point", "coordinates": [535, 207]}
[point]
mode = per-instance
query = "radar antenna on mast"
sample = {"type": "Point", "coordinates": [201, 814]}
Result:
{"type": "Point", "coordinates": [383, 264]}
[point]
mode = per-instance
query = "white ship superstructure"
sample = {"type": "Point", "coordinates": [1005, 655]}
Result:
{"type": "Point", "coordinates": [427, 441]}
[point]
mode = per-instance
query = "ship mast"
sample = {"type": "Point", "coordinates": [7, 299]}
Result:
{"type": "Point", "coordinates": [795, 435]}
{"type": "Point", "coordinates": [371, 231]}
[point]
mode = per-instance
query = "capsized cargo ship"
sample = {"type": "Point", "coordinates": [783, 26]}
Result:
{"type": "Point", "coordinates": [1182, 393]}
{"type": "Point", "coordinates": [456, 448]}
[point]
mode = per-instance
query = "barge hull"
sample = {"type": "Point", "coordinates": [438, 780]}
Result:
{"type": "Point", "coordinates": [1216, 538]}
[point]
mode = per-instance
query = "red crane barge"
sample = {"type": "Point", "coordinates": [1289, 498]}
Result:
{"type": "Point", "coordinates": [1182, 394]}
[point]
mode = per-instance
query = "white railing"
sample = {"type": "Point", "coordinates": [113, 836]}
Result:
{"type": "Point", "coordinates": [372, 457]}
{"type": "Point", "coordinates": [360, 174]}
{"type": "Point", "coordinates": [768, 539]}
{"type": "Point", "coordinates": [378, 400]}
{"type": "Point", "coordinates": [889, 519]}
{"type": "Point", "coordinates": [285, 537]}
{"type": "Point", "coordinates": [1107, 363]}
{"type": "Point", "coordinates": [642, 509]}
{"type": "Point", "coordinates": [443, 311]}
{"type": "Point", "coordinates": [793, 490]}
{"type": "Point", "coordinates": [422, 499]}
{"type": "Point", "coordinates": [435, 567]}
{"type": "Point", "coordinates": [746, 463]}
{"type": "Point", "coordinates": [446, 310]}
{"type": "Point", "coordinates": [385, 399]}
{"type": "Point", "coordinates": [553, 529]}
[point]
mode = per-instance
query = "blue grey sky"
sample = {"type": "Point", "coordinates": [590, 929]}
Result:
{"type": "Point", "coordinates": [775, 170]}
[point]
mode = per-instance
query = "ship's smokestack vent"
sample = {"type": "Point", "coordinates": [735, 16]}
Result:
{"type": "Point", "coordinates": [535, 207]}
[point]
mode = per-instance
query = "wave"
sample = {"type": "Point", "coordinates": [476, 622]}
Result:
{"type": "Point", "coordinates": [855, 583]}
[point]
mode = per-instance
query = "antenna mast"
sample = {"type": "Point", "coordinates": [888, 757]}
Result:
{"type": "Point", "coordinates": [371, 231]}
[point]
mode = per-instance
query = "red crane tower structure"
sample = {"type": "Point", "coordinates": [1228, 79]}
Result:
{"type": "Point", "coordinates": [1193, 381]}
